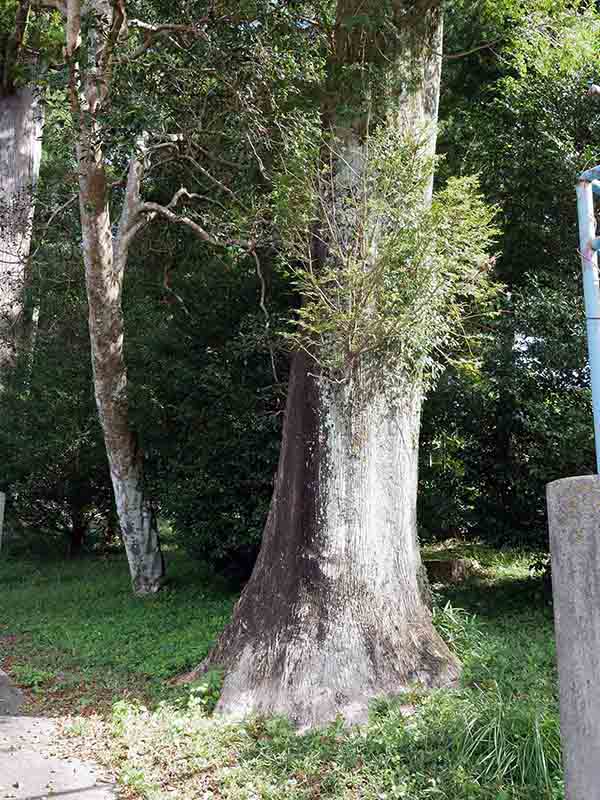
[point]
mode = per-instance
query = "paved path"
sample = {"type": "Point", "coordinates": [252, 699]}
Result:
{"type": "Point", "coordinates": [28, 768]}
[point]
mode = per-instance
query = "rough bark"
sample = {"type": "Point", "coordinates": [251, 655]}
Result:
{"type": "Point", "coordinates": [20, 154]}
{"type": "Point", "coordinates": [105, 259]}
{"type": "Point", "coordinates": [334, 613]}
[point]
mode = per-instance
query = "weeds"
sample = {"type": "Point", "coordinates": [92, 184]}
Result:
{"type": "Point", "coordinates": [496, 738]}
{"type": "Point", "coordinates": [510, 741]}
{"type": "Point", "coordinates": [76, 630]}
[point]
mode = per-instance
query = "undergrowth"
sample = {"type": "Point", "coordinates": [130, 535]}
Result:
{"type": "Point", "coordinates": [73, 634]}
{"type": "Point", "coordinates": [495, 738]}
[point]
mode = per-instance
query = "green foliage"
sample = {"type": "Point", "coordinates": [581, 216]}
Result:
{"type": "Point", "coordinates": [205, 695]}
{"type": "Point", "coordinates": [9, 47]}
{"type": "Point", "coordinates": [558, 43]}
{"type": "Point", "coordinates": [520, 416]}
{"type": "Point", "coordinates": [391, 758]}
{"type": "Point", "coordinates": [502, 423]}
{"type": "Point", "coordinates": [495, 737]}
{"type": "Point", "coordinates": [204, 399]}
{"type": "Point", "coordinates": [29, 44]}
{"type": "Point", "coordinates": [78, 619]}
{"type": "Point", "coordinates": [398, 276]}
{"type": "Point", "coordinates": [30, 677]}
{"type": "Point", "coordinates": [459, 629]}
{"type": "Point", "coordinates": [511, 742]}
{"type": "Point", "coordinates": [54, 464]}
{"type": "Point", "coordinates": [205, 403]}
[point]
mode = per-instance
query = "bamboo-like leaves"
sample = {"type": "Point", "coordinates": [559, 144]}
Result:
{"type": "Point", "coordinates": [385, 275]}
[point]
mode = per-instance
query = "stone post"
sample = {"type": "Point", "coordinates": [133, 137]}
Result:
{"type": "Point", "coordinates": [2, 505]}
{"type": "Point", "coordinates": [574, 523]}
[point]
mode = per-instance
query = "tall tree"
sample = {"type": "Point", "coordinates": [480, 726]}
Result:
{"type": "Point", "coordinates": [92, 31]}
{"type": "Point", "coordinates": [333, 614]}
{"type": "Point", "coordinates": [103, 51]}
{"type": "Point", "coordinates": [20, 154]}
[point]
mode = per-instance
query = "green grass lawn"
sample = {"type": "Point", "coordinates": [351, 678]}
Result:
{"type": "Point", "coordinates": [73, 634]}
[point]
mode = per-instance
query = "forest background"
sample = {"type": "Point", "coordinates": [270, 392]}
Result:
{"type": "Point", "coordinates": [210, 326]}
{"type": "Point", "coordinates": [206, 335]}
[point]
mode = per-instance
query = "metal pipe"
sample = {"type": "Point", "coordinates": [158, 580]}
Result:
{"type": "Point", "coordinates": [591, 291]}
{"type": "Point", "coordinates": [592, 174]}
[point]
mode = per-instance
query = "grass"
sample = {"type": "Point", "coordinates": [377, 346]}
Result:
{"type": "Point", "coordinates": [78, 640]}
{"type": "Point", "coordinates": [74, 634]}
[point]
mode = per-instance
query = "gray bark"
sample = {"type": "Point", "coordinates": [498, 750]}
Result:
{"type": "Point", "coordinates": [105, 260]}
{"type": "Point", "coordinates": [334, 614]}
{"type": "Point", "coordinates": [20, 154]}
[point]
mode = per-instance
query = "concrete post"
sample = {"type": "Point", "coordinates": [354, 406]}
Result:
{"type": "Point", "coordinates": [2, 505]}
{"type": "Point", "coordinates": [574, 523]}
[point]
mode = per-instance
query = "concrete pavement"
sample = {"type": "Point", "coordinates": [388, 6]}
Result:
{"type": "Point", "coordinates": [28, 768]}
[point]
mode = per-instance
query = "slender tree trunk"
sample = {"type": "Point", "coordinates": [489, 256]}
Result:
{"type": "Point", "coordinates": [77, 534]}
{"type": "Point", "coordinates": [105, 259]}
{"type": "Point", "coordinates": [20, 154]}
{"type": "Point", "coordinates": [334, 613]}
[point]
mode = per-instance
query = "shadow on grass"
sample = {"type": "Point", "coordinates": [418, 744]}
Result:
{"type": "Point", "coordinates": [501, 597]}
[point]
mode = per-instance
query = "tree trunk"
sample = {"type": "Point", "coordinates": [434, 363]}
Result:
{"type": "Point", "coordinates": [333, 615]}
{"type": "Point", "coordinates": [105, 259]}
{"type": "Point", "coordinates": [77, 535]}
{"type": "Point", "coordinates": [20, 154]}
{"type": "Point", "coordinates": [104, 268]}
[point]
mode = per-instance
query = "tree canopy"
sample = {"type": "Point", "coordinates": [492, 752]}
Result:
{"type": "Point", "coordinates": [312, 231]}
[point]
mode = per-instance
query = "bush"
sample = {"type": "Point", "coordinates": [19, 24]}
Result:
{"type": "Point", "coordinates": [207, 408]}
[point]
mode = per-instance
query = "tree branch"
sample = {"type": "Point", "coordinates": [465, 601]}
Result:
{"type": "Point", "coordinates": [150, 33]}
{"type": "Point", "coordinates": [167, 211]}
{"type": "Point", "coordinates": [263, 293]}
{"type": "Point", "coordinates": [118, 24]}
{"type": "Point", "coordinates": [197, 229]}
{"type": "Point", "coordinates": [51, 219]}
{"type": "Point", "coordinates": [130, 223]}
{"type": "Point", "coordinates": [167, 28]}
{"type": "Point", "coordinates": [212, 179]}
{"type": "Point", "coordinates": [464, 53]}
{"type": "Point", "coordinates": [261, 166]}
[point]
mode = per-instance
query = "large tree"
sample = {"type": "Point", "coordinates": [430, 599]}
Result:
{"type": "Point", "coordinates": [20, 154]}
{"type": "Point", "coordinates": [334, 612]}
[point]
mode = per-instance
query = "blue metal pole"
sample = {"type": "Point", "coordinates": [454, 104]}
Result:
{"type": "Point", "coordinates": [592, 174]}
{"type": "Point", "coordinates": [591, 288]}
